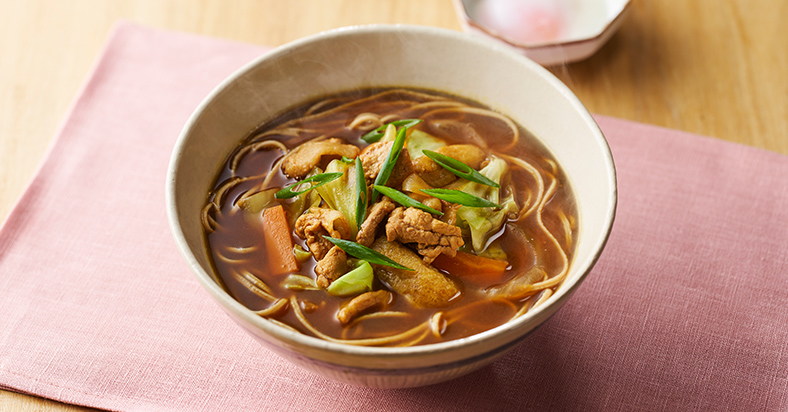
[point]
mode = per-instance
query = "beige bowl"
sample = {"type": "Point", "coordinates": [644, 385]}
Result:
{"type": "Point", "coordinates": [409, 56]}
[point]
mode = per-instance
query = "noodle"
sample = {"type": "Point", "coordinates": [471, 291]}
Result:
{"type": "Point", "coordinates": [532, 185]}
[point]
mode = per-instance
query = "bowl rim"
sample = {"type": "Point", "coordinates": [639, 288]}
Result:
{"type": "Point", "coordinates": [284, 335]}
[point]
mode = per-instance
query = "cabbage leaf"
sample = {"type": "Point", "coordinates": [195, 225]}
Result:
{"type": "Point", "coordinates": [340, 194]}
{"type": "Point", "coordinates": [483, 222]}
{"type": "Point", "coordinates": [419, 141]}
{"type": "Point", "coordinates": [355, 282]}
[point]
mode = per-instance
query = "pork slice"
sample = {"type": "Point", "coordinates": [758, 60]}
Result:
{"type": "Point", "coordinates": [431, 235]}
{"type": "Point", "coordinates": [437, 176]}
{"type": "Point", "coordinates": [331, 267]}
{"type": "Point", "coordinates": [378, 212]}
{"type": "Point", "coordinates": [306, 157]}
{"type": "Point", "coordinates": [317, 222]}
{"type": "Point", "coordinates": [373, 157]}
{"type": "Point", "coordinates": [364, 303]}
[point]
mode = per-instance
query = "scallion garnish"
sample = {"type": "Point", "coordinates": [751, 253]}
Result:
{"type": "Point", "coordinates": [388, 164]}
{"type": "Point", "coordinates": [361, 194]}
{"type": "Point", "coordinates": [321, 179]}
{"type": "Point", "coordinates": [405, 200]}
{"type": "Point", "coordinates": [459, 168]}
{"type": "Point", "coordinates": [375, 135]}
{"type": "Point", "coordinates": [460, 198]}
{"type": "Point", "coordinates": [345, 159]}
{"type": "Point", "coordinates": [365, 253]}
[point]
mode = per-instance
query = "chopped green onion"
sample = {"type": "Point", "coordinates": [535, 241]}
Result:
{"type": "Point", "coordinates": [460, 198]}
{"type": "Point", "coordinates": [363, 252]}
{"type": "Point", "coordinates": [405, 200]}
{"type": "Point", "coordinates": [361, 194]}
{"type": "Point", "coordinates": [321, 178]}
{"type": "Point", "coordinates": [388, 164]}
{"type": "Point", "coordinates": [345, 159]}
{"type": "Point", "coordinates": [460, 169]}
{"type": "Point", "coordinates": [355, 282]}
{"type": "Point", "coordinates": [375, 135]}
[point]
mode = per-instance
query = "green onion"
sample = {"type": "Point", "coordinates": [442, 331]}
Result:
{"type": "Point", "coordinates": [460, 169]}
{"type": "Point", "coordinates": [361, 194]}
{"type": "Point", "coordinates": [363, 252]}
{"type": "Point", "coordinates": [375, 135]}
{"type": "Point", "coordinates": [460, 198]}
{"type": "Point", "coordinates": [321, 178]}
{"type": "Point", "coordinates": [405, 200]}
{"type": "Point", "coordinates": [345, 159]}
{"type": "Point", "coordinates": [388, 164]}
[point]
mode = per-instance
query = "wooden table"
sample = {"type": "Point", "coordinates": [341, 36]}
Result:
{"type": "Point", "coordinates": [714, 67]}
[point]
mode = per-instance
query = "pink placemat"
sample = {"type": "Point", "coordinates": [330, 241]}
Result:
{"type": "Point", "coordinates": [686, 309]}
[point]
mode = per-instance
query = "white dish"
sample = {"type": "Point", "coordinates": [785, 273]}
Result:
{"type": "Point", "coordinates": [569, 30]}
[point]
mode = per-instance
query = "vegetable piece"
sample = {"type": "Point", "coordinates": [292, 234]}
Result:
{"type": "Point", "coordinates": [278, 242]}
{"type": "Point", "coordinates": [297, 205]}
{"type": "Point", "coordinates": [299, 283]}
{"type": "Point", "coordinates": [460, 169]}
{"type": "Point", "coordinates": [413, 183]}
{"type": "Point", "coordinates": [255, 203]}
{"type": "Point", "coordinates": [460, 198]}
{"type": "Point", "coordinates": [390, 135]}
{"type": "Point", "coordinates": [301, 254]}
{"type": "Point", "coordinates": [388, 164]}
{"type": "Point", "coordinates": [375, 135]}
{"type": "Point", "coordinates": [490, 271]}
{"type": "Point", "coordinates": [484, 222]}
{"type": "Point", "coordinates": [363, 252]}
{"type": "Point", "coordinates": [321, 178]}
{"type": "Point", "coordinates": [419, 141]}
{"type": "Point", "coordinates": [361, 194]}
{"type": "Point", "coordinates": [405, 200]}
{"type": "Point", "coordinates": [340, 194]}
{"type": "Point", "coordinates": [355, 282]}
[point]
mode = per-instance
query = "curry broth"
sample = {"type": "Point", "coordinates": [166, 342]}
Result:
{"type": "Point", "coordinates": [524, 246]}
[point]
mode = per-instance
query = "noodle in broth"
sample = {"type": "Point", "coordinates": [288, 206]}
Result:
{"type": "Point", "coordinates": [531, 238]}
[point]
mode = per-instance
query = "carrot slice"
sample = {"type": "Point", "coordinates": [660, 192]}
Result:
{"type": "Point", "coordinates": [474, 267]}
{"type": "Point", "coordinates": [278, 242]}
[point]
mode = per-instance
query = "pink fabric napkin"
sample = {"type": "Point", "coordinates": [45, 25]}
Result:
{"type": "Point", "coordinates": [686, 309]}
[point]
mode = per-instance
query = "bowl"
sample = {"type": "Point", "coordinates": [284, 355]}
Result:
{"type": "Point", "coordinates": [549, 32]}
{"type": "Point", "coordinates": [391, 55]}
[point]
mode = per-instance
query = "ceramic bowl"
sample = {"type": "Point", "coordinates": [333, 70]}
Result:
{"type": "Point", "coordinates": [549, 32]}
{"type": "Point", "coordinates": [411, 56]}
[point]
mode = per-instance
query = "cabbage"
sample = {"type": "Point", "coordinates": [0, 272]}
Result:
{"type": "Point", "coordinates": [297, 205]}
{"type": "Point", "coordinates": [355, 282]}
{"type": "Point", "coordinates": [485, 221]}
{"type": "Point", "coordinates": [419, 141]}
{"type": "Point", "coordinates": [255, 203]}
{"type": "Point", "coordinates": [340, 194]}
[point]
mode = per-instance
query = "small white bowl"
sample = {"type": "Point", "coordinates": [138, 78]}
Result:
{"type": "Point", "coordinates": [585, 25]}
{"type": "Point", "coordinates": [409, 56]}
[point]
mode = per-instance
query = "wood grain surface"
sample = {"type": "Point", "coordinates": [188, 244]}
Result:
{"type": "Point", "coordinates": [713, 67]}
